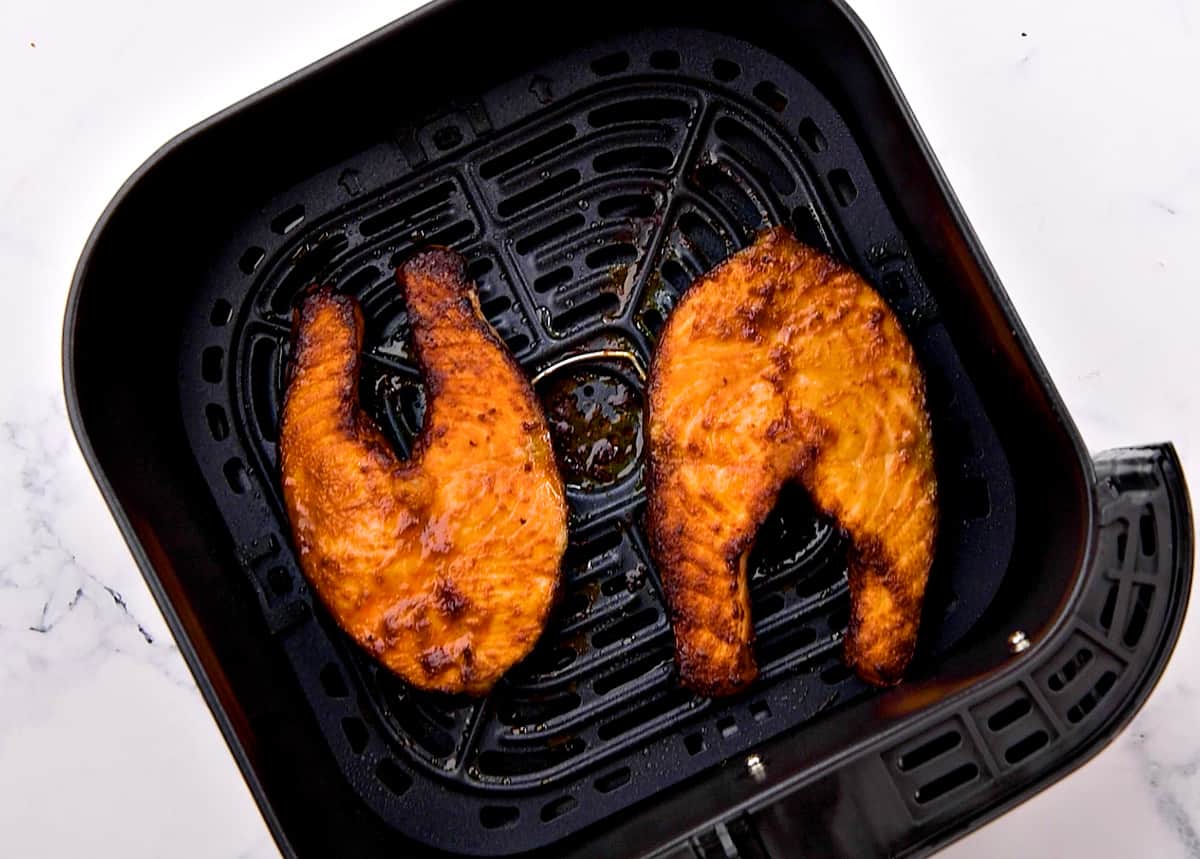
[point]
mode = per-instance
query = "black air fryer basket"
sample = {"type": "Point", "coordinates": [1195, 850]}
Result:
{"type": "Point", "coordinates": [588, 178]}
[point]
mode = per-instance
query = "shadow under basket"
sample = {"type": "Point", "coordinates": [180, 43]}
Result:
{"type": "Point", "coordinates": [588, 182]}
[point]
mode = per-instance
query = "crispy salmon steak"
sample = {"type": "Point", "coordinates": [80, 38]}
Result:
{"type": "Point", "coordinates": [784, 365]}
{"type": "Point", "coordinates": [445, 565]}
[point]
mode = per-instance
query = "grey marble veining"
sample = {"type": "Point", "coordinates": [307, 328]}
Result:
{"type": "Point", "coordinates": [1067, 129]}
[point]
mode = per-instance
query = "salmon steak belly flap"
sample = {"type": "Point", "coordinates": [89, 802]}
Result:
{"type": "Point", "coordinates": [784, 365]}
{"type": "Point", "coordinates": [444, 566]}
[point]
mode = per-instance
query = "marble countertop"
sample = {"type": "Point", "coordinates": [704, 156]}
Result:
{"type": "Point", "coordinates": [1068, 129]}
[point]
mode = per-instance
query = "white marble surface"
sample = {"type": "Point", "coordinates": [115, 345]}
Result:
{"type": "Point", "coordinates": [1069, 130]}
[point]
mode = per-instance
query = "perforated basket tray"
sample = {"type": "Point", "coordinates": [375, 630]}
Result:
{"type": "Point", "coordinates": [588, 183]}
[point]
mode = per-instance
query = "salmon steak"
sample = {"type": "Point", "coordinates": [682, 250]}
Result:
{"type": "Point", "coordinates": [783, 365]}
{"type": "Point", "coordinates": [444, 565]}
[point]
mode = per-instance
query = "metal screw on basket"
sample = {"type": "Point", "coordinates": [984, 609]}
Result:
{"type": "Point", "coordinates": [1019, 642]}
{"type": "Point", "coordinates": [756, 767]}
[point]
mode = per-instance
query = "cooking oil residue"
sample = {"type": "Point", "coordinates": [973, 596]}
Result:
{"type": "Point", "coordinates": [595, 421]}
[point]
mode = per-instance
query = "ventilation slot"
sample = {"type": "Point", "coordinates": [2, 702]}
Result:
{"type": "Point", "coordinates": [703, 239]}
{"type": "Point", "coordinates": [629, 206]}
{"type": "Point", "coordinates": [641, 110]}
{"type": "Point", "coordinates": [1070, 670]}
{"type": "Point", "coordinates": [760, 711]}
{"type": "Point", "coordinates": [526, 152]}
{"type": "Point", "coordinates": [288, 220]}
{"type": "Point", "coordinates": [501, 764]}
{"type": "Point", "coordinates": [559, 807]}
{"type": "Point", "coordinates": [725, 70]}
{"type": "Point", "coordinates": [844, 189]}
{"type": "Point", "coordinates": [771, 96]}
{"type": "Point", "coordinates": [499, 816]}
{"type": "Point", "coordinates": [1146, 531]}
{"type": "Point", "coordinates": [976, 503]}
{"type": "Point", "coordinates": [250, 260]}
{"type": "Point", "coordinates": [212, 364]}
{"type": "Point", "coordinates": [265, 384]}
{"type": "Point", "coordinates": [632, 671]}
{"type": "Point", "coordinates": [929, 751]}
{"type": "Point", "coordinates": [785, 642]}
{"type": "Point", "coordinates": [536, 194]}
{"type": "Point", "coordinates": [359, 282]}
{"type": "Point", "coordinates": [218, 424]}
{"type": "Point", "coordinates": [308, 264]}
{"type": "Point", "coordinates": [546, 235]}
{"type": "Point", "coordinates": [222, 312]}
{"type": "Point", "coordinates": [1022, 749]}
{"type": "Point", "coordinates": [235, 475]}
{"type": "Point", "coordinates": [392, 777]}
{"type": "Point", "coordinates": [611, 64]}
{"type": "Point", "coordinates": [356, 733]}
{"type": "Point", "coordinates": [644, 715]}
{"type": "Point", "coordinates": [812, 136]}
{"type": "Point", "coordinates": [613, 781]}
{"type": "Point", "coordinates": [626, 628]}
{"type": "Point", "coordinates": [756, 153]}
{"type": "Point", "coordinates": [519, 712]}
{"type": "Point", "coordinates": [664, 60]}
{"type": "Point", "coordinates": [634, 158]}
{"type": "Point", "coordinates": [611, 255]}
{"type": "Point", "coordinates": [332, 681]}
{"type": "Point", "coordinates": [942, 785]}
{"type": "Point", "coordinates": [280, 581]}
{"type": "Point", "coordinates": [1139, 611]}
{"type": "Point", "coordinates": [1110, 605]}
{"type": "Point", "coordinates": [1088, 702]}
{"type": "Point", "coordinates": [602, 305]}
{"type": "Point", "coordinates": [727, 726]}
{"type": "Point", "coordinates": [447, 137]}
{"type": "Point", "coordinates": [836, 674]}
{"type": "Point", "coordinates": [694, 743]}
{"type": "Point", "coordinates": [552, 279]}
{"type": "Point", "coordinates": [451, 235]}
{"type": "Point", "coordinates": [733, 197]}
{"type": "Point", "coordinates": [1008, 714]}
{"type": "Point", "coordinates": [407, 211]}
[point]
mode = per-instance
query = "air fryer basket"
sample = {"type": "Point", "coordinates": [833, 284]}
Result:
{"type": "Point", "coordinates": [588, 183]}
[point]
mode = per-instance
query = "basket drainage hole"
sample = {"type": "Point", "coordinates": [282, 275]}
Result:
{"type": "Point", "coordinates": [447, 137]}
{"type": "Point", "coordinates": [559, 807]}
{"type": "Point", "coordinates": [1088, 702]}
{"type": "Point", "coordinates": [356, 733]}
{"type": "Point", "coordinates": [222, 312]}
{"type": "Point", "coordinates": [927, 752]}
{"type": "Point", "coordinates": [727, 726]}
{"type": "Point", "coordinates": [726, 70]}
{"type": "Point", "coordinates": [332, 681]}
{"type": "Point", "coordinates": [694, 743]}
{"type": "Point", "coordinates": [288, 220]}
{"type": "Point", "coordinates": [1008, 714]}
{"type": "Point", "coordinates": [612, 781]}
{"type": "Point", "coordinates": [498, 816]}
{"type": "Point", "coordinates": [393, 778]}
{"type": "Point", "coordinates": [1069, 671]}
{"type": "Point", "coordinates": [611, 64]}
{"type": "Point", "coordinates": [218, 424]}
{"type": "Point", "coordinates": [250, 259]}
{"type": "Point", "coordinates": [1022, 749]}
{"type": "Point", "coordinates": [1139, 611]}
{"type": "Point", "coordinates": [760, 710]}
{"type": "Point", "coordinates": [1149, 539]}
{"type": "Point", "coordinates": [212, 364]}
{"type": "Point", "coordinates": [279, 580]}
{"type": "Point", "coordinates": [771, 96]}
{"type": "Point", "coordinates": [844, 189]}
{"type": "Point", "coordinates": [665, 60]}
{"type": "Point", "coordinates": [1110, 605]}
{"type": "Point", "coordinates": [235, 475]}
{"type": "Point", "coordinates": [942, 785]}
{"type": "Point", "coordinates": [976, 502]}
{"type": "Point", "coordinates": [812, 136]}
